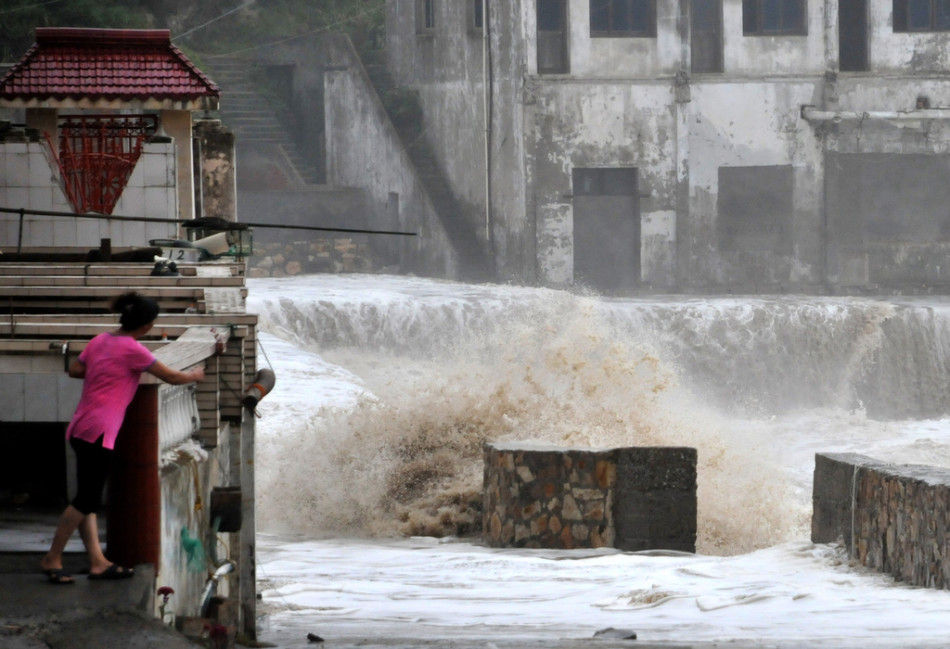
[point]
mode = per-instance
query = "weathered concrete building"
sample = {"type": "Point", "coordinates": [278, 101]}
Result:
{"type": "Point", "coordinates": [705, 145]}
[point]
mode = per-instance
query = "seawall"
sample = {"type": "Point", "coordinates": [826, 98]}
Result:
{"type": "Point", "coordinates": [892, 518]}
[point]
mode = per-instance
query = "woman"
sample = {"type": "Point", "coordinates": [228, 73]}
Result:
{"type": "Point", "coordinates": [110, 366]}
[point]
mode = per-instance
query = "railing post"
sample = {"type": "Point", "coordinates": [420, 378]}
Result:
{"type": "Point", "coordinates": [19, 237]}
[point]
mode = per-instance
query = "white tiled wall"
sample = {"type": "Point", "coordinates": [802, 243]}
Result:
{"type": "Point", "coordinates": [18, 400]}
{"type": "Point", "coordinates": [28, 181]}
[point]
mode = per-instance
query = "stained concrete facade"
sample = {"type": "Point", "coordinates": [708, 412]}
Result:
{"type": "Point", "coordinates": [731, 185]}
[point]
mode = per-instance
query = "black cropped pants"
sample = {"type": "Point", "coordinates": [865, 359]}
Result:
{"type": "Point", "coordinates": [93, 465]}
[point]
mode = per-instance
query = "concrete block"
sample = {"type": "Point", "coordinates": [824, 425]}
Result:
{"type": "Point", "coordinates": [40, 173]}
{"type": "Point", "coordinates": [131, 202]}
{"type": "Point", "coordinates": [60, 202]}
{"type": "Point", "coordinates": [154, 170]}
{"type": "Point", "coordinates": [17, 197]}
{"type": "Point", "coordinates": [157, 204]}
{"type": "Point", "coordinates": [41, 197]}
{"type": "Point", "coordinates": [12, 400]}
{"type": "Point", "coordinates": [137, 178]}
{"type": "Point", "coordinates": [38, 231]}
{"type": "Point", "coordinates": [40, 396]}
{"type": "Point", "coordinates": [68, 392]}
{"type": "Point", "coordinates": [16, 167]}
{"type": "Point", "coordinates": [87, 232]}
{"type": "Point", "coordinates": [65, 232]}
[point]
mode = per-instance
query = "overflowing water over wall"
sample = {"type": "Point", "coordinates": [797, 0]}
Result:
{"type": "Point", "coordinates": [448, 366]}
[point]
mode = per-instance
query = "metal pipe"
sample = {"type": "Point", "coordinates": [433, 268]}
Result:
{"type": "Point", "coordinates": [486, 107]}
{"type": "Point", "coordinates": [145, 219]}
{"type": "Point", "coordinates": [19, 236]}
{"type": "Point", "coordinates": [211, 586]}
{"type": "Point", "coordinates": [812, 114]}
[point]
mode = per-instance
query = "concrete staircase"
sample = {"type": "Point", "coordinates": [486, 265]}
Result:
{"type": "Point", "coordinates": [255, 119]}
{"type": "Point", "coordinates": [476, 264]}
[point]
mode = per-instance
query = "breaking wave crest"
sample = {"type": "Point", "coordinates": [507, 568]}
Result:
{"type": "Point", "coordinates": [448, 367]}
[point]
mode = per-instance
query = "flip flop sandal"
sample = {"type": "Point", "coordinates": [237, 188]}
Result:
{"type": "Point", "coordinates": [113, 572]}
{"type": "Point", "coordinates": [59, 577]}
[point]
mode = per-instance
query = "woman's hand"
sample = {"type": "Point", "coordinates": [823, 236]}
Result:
{"type": "Point", "coordinates": [77, 369]}
{"type": "Point", "coordinates": [175, 377]}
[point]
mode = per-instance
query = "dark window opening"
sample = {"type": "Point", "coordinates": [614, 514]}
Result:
{"type": "Point", "coordinates": [852, 35]}
{"type": "Point", "coordinates": [921, 15]}
{"type": "Point", "coordinates": [773, 17]}
{"type": "Point", "coordinates": [755, 209]}
{"type": "Point", "coordinates": [552, 37]}
{"type": "Point", "coordinates": [425, 16]}
{"type": "Point", "coordinates": [620, 18]}
{"type": "Point", "coordinates": [706, 36]}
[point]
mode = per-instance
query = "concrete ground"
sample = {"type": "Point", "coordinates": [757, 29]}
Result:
{"type": "Point", "coordinates": [35, 614]}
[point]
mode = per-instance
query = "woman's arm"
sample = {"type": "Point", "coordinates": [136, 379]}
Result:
{"type": "Point", "coordinates": [77, 369]}
{"type": "Point", "coordinates": [175, 377]}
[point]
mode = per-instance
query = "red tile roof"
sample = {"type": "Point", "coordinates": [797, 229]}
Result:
{"type": "Point", "coordinates": [122, 64]}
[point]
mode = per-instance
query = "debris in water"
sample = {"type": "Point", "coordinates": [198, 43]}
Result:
{"type": "Point", "coordinates": [619, 634]}
{"type": "Point", "coordinates": [313, 637]}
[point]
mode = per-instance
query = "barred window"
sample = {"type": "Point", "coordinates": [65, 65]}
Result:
{"type": "Point", "coordinates": [773, 17]}
{"type": "Point", "coordinates": [622, 18]}
{"type": "Point", "coordinates": [921, 15]}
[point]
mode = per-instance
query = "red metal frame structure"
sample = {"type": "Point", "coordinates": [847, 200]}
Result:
{"type": "Point", "coordinates": [96, 156]}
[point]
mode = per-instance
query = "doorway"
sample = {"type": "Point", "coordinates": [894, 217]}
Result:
{"type": "Point", "coordinates": [607, 228]}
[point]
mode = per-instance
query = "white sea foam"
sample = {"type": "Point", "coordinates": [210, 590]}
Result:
{"type": "Point", "coordinates": [445, 367]}
{"type": "Point", "coordinates": [388, 386]}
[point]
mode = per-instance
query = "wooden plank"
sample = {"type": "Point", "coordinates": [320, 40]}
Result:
{"type": "Point", "coordinates": [90, 292]}
{"type": "Point", "coordinates": [17, 305]}
{"type": "Point", "coordinates": [82, 269]}
{"type": "Point", "coordinates": [168, 319]}
{"type": "Point", "coordinates": [120, 282]}
{"type": "Point", "coordinates": [68, 330]}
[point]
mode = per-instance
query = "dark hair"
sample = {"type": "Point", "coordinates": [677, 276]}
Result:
{"type": "Point", "coordinates": [135, 310]}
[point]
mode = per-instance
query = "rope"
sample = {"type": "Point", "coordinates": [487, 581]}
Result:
{"type": "Point", "coordinates": [318, 30]}
{"type": "Point", "coordinates": [215, 19]}
{"type": "Point", "coordinates": [264, 351]}
{"type": "Point", "coordinates": [38, 4]}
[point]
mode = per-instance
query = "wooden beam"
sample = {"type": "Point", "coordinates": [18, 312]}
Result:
{"type": "Point", "coordinates": [120, 282]}
{"type": "Point", "coordinates": [72, 330]}
{"type": "Point", "coordinates": [167, 319]}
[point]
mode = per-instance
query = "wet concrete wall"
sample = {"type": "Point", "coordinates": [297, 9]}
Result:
{"type": "Point", "coordinates": [634, 103]}
{"type": "Point", "coordinates": [364, 150]}
{"type": "Point", "coordinates": [445, 66]}
{"type": "Point", "coordinates": [892, 518]}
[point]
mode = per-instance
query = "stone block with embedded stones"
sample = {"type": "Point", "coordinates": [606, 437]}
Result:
{"type": "Point", "coordinates": [542, 496]}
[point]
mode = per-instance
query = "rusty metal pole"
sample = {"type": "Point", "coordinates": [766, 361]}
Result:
{"type": "Point", "coordinates": [19, 237]}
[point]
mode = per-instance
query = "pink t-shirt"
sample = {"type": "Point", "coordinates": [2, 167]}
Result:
{"type": "Point", "coordinates": [113, 367]}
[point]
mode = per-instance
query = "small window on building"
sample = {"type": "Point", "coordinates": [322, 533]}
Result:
{"type": "Point", "coordinates": [921, 15]}
{"type": "Point", "coordinates": [622, 18]}
{"type": "Point", "coordinates": [476, 19]}
{"type": "Point", "coordinates": [773, 17]}
{"type": "Point", "coordinates": [552, 37]}
{"type": "Point", "coordinates": [425, 16]}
